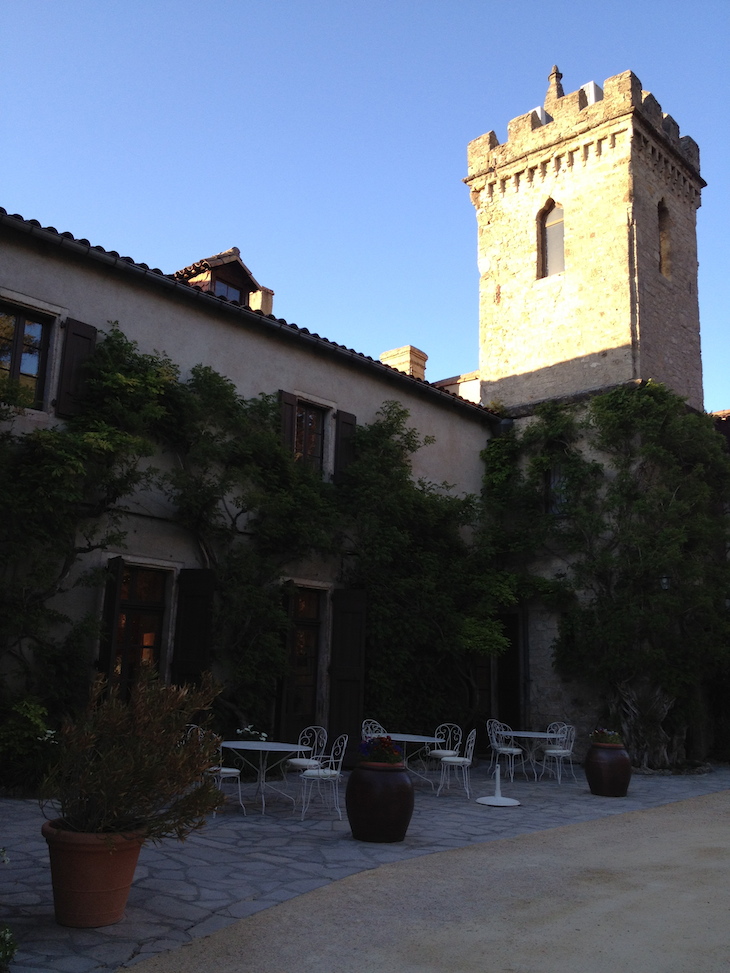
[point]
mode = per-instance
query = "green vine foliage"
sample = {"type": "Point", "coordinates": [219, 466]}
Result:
{"type": "Point", "coordinates": [617, 514]}
{"type": "Point", "coordinates": [429, 616]}
{"type": "Point", "coordinates": [62, 490]}
{"type": "Point", "coordinates": [253, 510]}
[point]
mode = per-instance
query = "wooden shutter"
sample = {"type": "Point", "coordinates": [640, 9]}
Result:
{"type": "Point", "coordinates": [78, 345]}
{"type": "Point", "coordinates": [288, 404]}
{"type": "Point", "coordinates": [345, 425]}
{"type": "Point", "coordinates": [191, 653]}
{"type": "Point", "coordinates": [347, 666]}
{"type": "Point", "coordinates": [110, 615]}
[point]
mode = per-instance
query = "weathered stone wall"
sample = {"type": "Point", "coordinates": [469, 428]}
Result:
{"type": "Point", "coordinates": [550, 697]}
{"type": "Point", "coordinates": [608, 158]}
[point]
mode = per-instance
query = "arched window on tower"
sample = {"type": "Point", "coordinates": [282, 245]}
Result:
{"type": "Point", "coordinates": [551, 248]}
{"type": "Point", "coordinates": [665, 255]}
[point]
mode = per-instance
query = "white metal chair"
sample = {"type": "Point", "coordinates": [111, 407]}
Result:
{"type": "Point", "coordinates": [449, 737]}
{"type": "Point", "coordinates": [218, 771]}
{"type": "Point", "coordinates": [314, 737]}
{"type": "Point", "coordinates": [503, 745]}
{"type": "Point", "coordinates": [459, 765]}
{"type": "Point", "coordinates": [371, 728]}
{"type": "Point", "coordinates": [558, 749]}
{"type": "Point", "coordinates": [328, 774]}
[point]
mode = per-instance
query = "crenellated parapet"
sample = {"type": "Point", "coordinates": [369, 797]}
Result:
{"type": "Point", "coordinates": [587, 247]}
{"type": "Point", "coordinates": [590, 120]}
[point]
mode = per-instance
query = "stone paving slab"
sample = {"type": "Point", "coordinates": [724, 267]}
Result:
{"type": "Point", "coordinates": [239, 865]}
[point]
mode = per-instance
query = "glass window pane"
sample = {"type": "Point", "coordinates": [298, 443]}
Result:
{"type": "Point", "coordinates": [308, 444]}
{"type": "Point", "coordinates": [7, 333]}
{"type": "Point", "coordinates": [150, 586]}
{"type": "Point", "coordinates": [554, 248]}
{"type": "Point", "coordinates": [31, 355]}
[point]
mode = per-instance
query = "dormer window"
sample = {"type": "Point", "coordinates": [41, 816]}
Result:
{"type": "Point", "coordinates": [221, 289]}
{"type": "Point", "coordinates": [226, 275]}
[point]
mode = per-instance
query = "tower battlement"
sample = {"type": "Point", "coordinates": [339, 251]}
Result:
{"type": "Point", "coordinates": [587, 247]}
{"type": "Point", "coordinates": [568, 116]}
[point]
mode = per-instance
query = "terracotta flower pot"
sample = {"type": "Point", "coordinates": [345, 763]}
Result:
{"type": "Point", "coordinates": [608, 769]}
{"type": "Point", "coordinates": [91, 874]}
{"type": "Point", "coordinates": [379, 802]}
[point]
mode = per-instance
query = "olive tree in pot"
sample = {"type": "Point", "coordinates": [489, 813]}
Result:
{"type": "Point", "coordinates": [126, 772]}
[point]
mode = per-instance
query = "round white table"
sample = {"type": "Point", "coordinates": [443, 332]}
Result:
{"type": "Point", "coordinates": [405, 739]}
{"type": "Point", "coordinates": [264, 749]}
{"type": "Point", "coordinates": [532, 738]}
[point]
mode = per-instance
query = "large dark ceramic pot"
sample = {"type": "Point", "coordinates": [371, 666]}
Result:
{"type": "Point", "coordinates": [379, 802]}
{"type": "Point", "coordinates": [608, 769]}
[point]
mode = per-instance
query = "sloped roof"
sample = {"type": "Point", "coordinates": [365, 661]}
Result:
{"type": "Point", "coordinates": [81, 247]}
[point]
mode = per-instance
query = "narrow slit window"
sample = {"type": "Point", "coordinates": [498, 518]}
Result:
{"type": "Point", "coordinates": [551, 243]}
{"type": "Point", "coordinates": [665, 255]}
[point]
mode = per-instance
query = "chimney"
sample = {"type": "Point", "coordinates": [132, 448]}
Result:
{"type": "Point", "coordinates": [407, 359]}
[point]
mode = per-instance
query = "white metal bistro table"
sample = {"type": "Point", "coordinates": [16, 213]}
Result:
{"type": "Point", "coordinates": [532, 740]}
{"type": "Point", "coordinates": [264, 749]}
{"type": "Point", "coordinates": [405, 739]}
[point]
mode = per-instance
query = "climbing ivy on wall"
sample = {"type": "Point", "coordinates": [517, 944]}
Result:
{"type": "Point", "coordinates": [218, 461]}
{"type": "Point", "coordinates": [613, 513]}
{"type": "Point", "coordinates": [62, 491]}
{"type": "Point", "coordinates": [431, 613]}
{"type": "Point", "coordinates": [616, 514]}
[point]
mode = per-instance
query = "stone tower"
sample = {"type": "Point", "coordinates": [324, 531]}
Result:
{"type": "Point", "coordinates": [587, 247]}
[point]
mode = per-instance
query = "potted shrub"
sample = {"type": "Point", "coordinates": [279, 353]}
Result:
{"type": "Point", "coordinates": [607, 764]}
{"type": "Point", "coordinates": [125, 772]}
{"type": "Point", "coordinates": [379, 793]}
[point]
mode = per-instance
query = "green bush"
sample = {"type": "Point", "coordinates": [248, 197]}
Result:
{"type": "Point", "coordinates": [26, 745]}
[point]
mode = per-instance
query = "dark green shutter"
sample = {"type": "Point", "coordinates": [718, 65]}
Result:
{"type": "Point", "coordinates": [77, 348]}
{"type": "Point", "coordinates": [347, 666]}
{"type": "Point", "coordinates": [288, 404]}
{"type": "Point", "coordinates": [345, 425]}
{"type": "Point", "coordinates": [110, 615]}
{"type": "Point", "coordinates": [191, 654]}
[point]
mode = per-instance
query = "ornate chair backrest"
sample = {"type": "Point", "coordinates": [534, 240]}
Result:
{"type": "Point", "coordinates": [338, 752]}
{"type": "Point", "coordinates": [557, 733]}
{"type": "Point", "coordinates": [469, 748]}
{"type": "Point", "coordinates": [569, 738]}
{"type": "Point", "coordinates": [204, 737]}
{"type": "Point", "coordinates": [449, 737]}
{"type": "Point", "coordinates": [371, 728]}
{"type": "Point", "coordinates": [504, 733]}
{"type": "Point", "coordinates": [493, 733]}
{"type": "Point", "coordinates": [314, 737]}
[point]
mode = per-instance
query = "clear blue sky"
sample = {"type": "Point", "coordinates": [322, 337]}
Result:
{"type": "Point", "coordinates": [327, 140]}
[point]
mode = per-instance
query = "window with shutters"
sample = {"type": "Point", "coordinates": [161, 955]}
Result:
{"type": "Point", "coordinates": [317, 435]}
{"type": "Point", "coordinates": [309, 434]}
{"type": "Point", "coordinates": [24, 338]}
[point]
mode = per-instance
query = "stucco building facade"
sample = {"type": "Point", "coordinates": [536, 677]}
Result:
{"type": "Point", "coordinates": [586, 223]}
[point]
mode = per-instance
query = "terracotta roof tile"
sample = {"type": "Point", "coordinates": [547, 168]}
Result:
{"type": "Point", "coordinates": [179, 281]}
